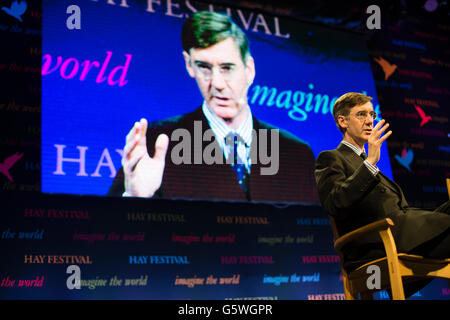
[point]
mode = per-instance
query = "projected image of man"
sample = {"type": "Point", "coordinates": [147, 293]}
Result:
{"type": "Point", "coordinates": [217, 55]}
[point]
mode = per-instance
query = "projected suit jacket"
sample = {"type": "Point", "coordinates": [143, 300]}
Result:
{"type": "Point", "coordinates": [294, 181]}
{"type": "Point", "coordinates": [351, 194]}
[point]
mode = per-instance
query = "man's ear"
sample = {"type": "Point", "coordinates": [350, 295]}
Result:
{"type": "Point", "coordinates": [250, 70]}
{"type": "Point", "coordinates": [342, 120]}
{"type": "Point", "coordinates": [189, 68]}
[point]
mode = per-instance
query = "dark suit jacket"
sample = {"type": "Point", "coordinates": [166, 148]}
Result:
{"type": "Point", "coordinates": [351, 194]}
{"type": "Point", "coordinates": [294, 181]}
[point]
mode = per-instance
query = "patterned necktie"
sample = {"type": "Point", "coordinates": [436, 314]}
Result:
{"type": "Point", "coordinates": [233, 140]}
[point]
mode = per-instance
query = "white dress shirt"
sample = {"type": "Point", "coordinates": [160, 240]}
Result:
{"type": "Point", "coordinates": [373, 169]}
{"type": "Point", "coordinates": [221, 130]}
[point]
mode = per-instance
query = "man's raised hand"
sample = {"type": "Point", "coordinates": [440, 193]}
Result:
{"type": "Point", "coordinates": [375, 141]}
{"type": "Point", "coordinates": [143, 174]}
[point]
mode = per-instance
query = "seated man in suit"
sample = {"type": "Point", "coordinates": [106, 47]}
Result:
{"type": "Point", "coordinates": [217, 56]}
{"type": "Point", "coordinates": [354, 191]}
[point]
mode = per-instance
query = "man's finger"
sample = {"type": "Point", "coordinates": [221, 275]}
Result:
{"type": "Point", "coordinates": [132, 132]}
{"type": "Point", "coordinates": [143, 127]}
{"type": "Point", "coordinates": [135, 160]}
{"type": "Point", "coordinates": [131, 163]}
{"type": "Point", "coordinates": [383, 138]}
{"type": "Point", "coordinates": [136, 136]}
{"type": "Point", "coordinates": [383, 129]}
{"type": "Point", "coordinates": [130, 147]}
{"type": "Point", "coordinates": [161, 145]}
{"type": "Point", "coordinates": [129, 150]}
{"type": "Point", "coordinates": [379, 124]}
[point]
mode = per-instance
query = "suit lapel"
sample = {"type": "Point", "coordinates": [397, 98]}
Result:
{"type": "Point", "coordinates": [351, 157]}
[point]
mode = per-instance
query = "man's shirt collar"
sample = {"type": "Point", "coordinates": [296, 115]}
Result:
{"type": "Point", "coordinates": [221, 130]}
{"type": "Point", "coordinates": [357, 150]}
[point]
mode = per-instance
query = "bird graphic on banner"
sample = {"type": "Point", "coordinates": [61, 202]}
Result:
{"type": "Point", "coordinates": [444, 148]}
{"type": "Point", "coordinates": [422, 115]}
{"type": "Point", "coordinates": [388, 68]}
{"type": "Point", "coordinates": [406, 158]}
{"type": "Point", "coordinates": [8, 163]}
{"type": "Point", "coordinates": [16, 10]}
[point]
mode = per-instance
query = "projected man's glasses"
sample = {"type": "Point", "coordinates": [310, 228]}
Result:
{"type": "Point", "coordinates": [362, 115]}
{"type": "Point", "coordinates": [206, 70]}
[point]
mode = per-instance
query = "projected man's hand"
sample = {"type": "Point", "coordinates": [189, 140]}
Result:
{"type": "Point", "coordinates": [143, 174]}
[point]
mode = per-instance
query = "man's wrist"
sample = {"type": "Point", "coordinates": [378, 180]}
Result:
{"type": "Point", "coordinates": [371, 161]}
{"type": "Point", "coordinates": [372, 168]}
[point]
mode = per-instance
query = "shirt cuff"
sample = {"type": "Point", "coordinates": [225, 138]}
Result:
{"type": "Point", "coordinates": [373, 169]}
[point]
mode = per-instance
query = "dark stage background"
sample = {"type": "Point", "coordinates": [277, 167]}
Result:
{"type": "Point", "coordinates": [172, 249]}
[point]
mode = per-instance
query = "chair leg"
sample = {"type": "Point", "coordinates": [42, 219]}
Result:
{"type": "Point", "coordinates": [397, 287]}
{"type": "Point", "coordinates": [348, 292]}
{"type": "Point", "coordinates": [349, 295]}
{"type": "Point", "coordinates": [395, 277]}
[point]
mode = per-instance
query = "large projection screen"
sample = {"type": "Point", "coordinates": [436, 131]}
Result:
{"type": "Point", "coordinates": [125, 63]}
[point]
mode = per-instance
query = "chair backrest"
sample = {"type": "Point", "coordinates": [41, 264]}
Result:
{"type": "Point", "coordinates": [341, 255]}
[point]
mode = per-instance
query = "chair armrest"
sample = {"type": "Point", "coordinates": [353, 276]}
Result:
{"type": "Point", "coordinates": [376, 226]}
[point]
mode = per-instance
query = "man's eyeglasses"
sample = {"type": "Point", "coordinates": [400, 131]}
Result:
{"type": "Point", "coordinates": [362, 115]}
{"type": "Point", "coordinates": [205, 70]}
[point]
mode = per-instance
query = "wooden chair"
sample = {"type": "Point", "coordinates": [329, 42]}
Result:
{"type": "Point", "coordinates": [448, 186]}
{"type": "Point", "coordinates": [396, 268]}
